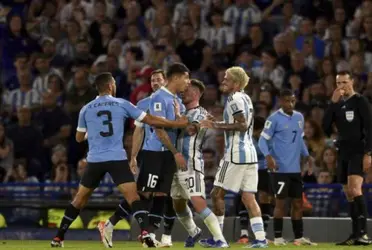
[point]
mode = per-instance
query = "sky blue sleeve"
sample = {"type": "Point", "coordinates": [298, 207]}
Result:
{"type": "Point", "coordinates": [158, 107]}
{"type": "Point", "coordinates": [263, 145]}
{"type": "Point", "coordinates": [82, 124]}
{"type": "Point", "coordinates": [269, 128]}
{"type": "Point", "coordinates": [304, 150]}
{"type": "Point", "coordinates": [132, 111]}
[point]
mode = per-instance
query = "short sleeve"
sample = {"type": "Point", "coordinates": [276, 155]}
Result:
{"type": "Point", "coordinates": [158, 107]}
{"type": "Point", "coordinates": [133, 112]}
{"type": "Point", "coordinates": [198, 116]}
{"type": "Point", "coordinates": [236, 106]}
{"type": "Point", "coordinates": [138, 124]}
{"type": "Point", "coordinates": [82, 124]}
{"type": "Point", "coordinates": [269, 128]}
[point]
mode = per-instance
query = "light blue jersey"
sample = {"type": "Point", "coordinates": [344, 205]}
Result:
{"type": "Point", "coordinates": [144, 106]}
{"type": "Point", "coordinates": [260, 157]}
{"type": "Point", "coordinates": [282, 138]}
{"type": "Point", "coordinates": [190, 146]}
{"type": "Point", "coordinates": [103, 119]}
{"type": "Point", "coordinates": [162, 104]}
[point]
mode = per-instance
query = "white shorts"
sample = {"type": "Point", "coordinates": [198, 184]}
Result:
{"type": "Point", "coordinates": [188, 184]}
{"type": "Point", "coordinates": [235, 178]}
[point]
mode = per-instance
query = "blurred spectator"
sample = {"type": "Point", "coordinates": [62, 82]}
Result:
{"type": "Point", "coordinates": [42, 66]}
{"type": "Point", "coordinates": [26, 137]}
{"type": "Point", "coordinates": [329, 162]}
{"type": "Point", "coordinates": [323, 198]}
{"type": "Point", "coordinates": [6, 156]}
{"type": "Point", "coordinates": [60, 175]}
{"type": "Point", "coordinates": [315, 139]}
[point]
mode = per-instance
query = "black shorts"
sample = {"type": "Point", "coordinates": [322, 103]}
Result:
{"type": "Point", "coordinates": [288, 185]}
{"type": "Point", "coordinates": [264, 182]}
{"type": "Point", "coordinates": [119, 171]}
{"type": "Point", "coordinates": [157, 171]}
{"type": "Point", "coordinates": [349, 165]}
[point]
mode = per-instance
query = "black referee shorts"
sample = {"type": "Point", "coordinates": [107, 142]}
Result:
{"type": "Point", "coordinates": [349, 164]}
{"type": "Point", "coordinates": [157, 171]}
{"type": "Point", "coordinates": [119, 171]}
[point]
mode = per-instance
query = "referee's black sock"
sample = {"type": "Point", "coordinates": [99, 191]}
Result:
{"type": "Point", "coordinates": [362, 214]}
{"type": "Point", "coordinates": [156, 212]}
{"type": "Point", "coordinates": [243, 220]}
{"type": "Point", "coordinates": [278, 227]}
{"type": "Point", "coordinates": [298, 228]}
{"type": "Point", "coordinates": [266, 212]}
{"type": "Point", "coordinates": [354, 217]}
{"type": "Point", "coordinates": [123, 211]}
{"type": "Point", "coordinates": [169, 216]}
{"type": "Point", "coordinates": [141, 215]}
{"type": "Point", "coordinates": [71, 213]}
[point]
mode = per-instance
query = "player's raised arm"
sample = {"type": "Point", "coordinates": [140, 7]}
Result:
{"type": "Point", "coordinates": [81, 130]}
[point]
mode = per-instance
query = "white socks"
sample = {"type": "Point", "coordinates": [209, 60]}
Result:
{"type": "Point", "coordinates": [220, 221]}
{"type": "Point", "coordinates": [258, 228]}
{"type": "Point", "coordinates": [187, 221]}
{"type": "Point", "coordinates": [211, 221]}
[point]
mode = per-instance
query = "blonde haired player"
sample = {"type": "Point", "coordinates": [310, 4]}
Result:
{"type": "Point", "coordinates": [238, 170]}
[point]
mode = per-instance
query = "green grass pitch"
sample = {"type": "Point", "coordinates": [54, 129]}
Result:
{"type": "Point", "coordinates": [96, 245]}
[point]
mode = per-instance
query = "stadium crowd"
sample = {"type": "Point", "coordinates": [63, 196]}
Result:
{"type": "Point", "coordinates": [51, 51]}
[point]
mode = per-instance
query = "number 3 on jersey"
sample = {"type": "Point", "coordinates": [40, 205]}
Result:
{"type": "Point", "coordinates": [107, 122]}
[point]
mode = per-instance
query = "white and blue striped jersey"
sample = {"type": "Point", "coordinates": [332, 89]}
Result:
{"type": "Point", "coordinates": [239, 147]}
{"type": "Point", "coordinates": [191, 146]}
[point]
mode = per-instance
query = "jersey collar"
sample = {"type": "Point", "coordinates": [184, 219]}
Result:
{"type": "Point", "coordinates": [283, 113]}
{"type": "Point", "coordinates": [167, 90]}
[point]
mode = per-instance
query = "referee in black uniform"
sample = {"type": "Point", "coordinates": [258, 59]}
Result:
{"type": "Point", "coordinates": [352, 115]}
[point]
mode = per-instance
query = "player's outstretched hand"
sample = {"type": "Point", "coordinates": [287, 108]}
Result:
{"type": "Point", "coordinates": [206, 124]}
{"type": "Point", "coordinates": [133, 165]}
{"type": "Point", "coordinates": [211, 118]}
{"type": "Point", "coordinates": [366, 163]}
{"type": "Point", "coordinates": [177, 108]}
{"type": "Point", "coordinates": [192, 129]}
{"type": "Point", "coordinates": [271, 164]}
{"type": "Point", "coordinates": [180, 161]}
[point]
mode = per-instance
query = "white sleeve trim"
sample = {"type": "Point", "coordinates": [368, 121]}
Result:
{"type": "Point", "coordinates": [138, 124]}
{"type": "Point", "coordinates": [266, 136]}
{"type": "Point", "coordinates": [81, 129]}
{"type": "Point", "coordinates": [140, 118]}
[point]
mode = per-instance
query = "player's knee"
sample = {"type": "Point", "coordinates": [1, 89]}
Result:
{"type": "Point", "coordinates": [179, 205]}
{"type": "Point", "coordinates": [248, 199]}
{"type": "Point", "coordinates": [199, 203]}
{"type": "Point", "coordinates": [279, 204]}
{"type": "Point", "coordinates": [80, 200]}
{"type": "Point", "coordinates": [297, 204]}
{"type": "Point", "coordinates": [160, 194]}
{"type": "Point", "coordinates": [217, 193]}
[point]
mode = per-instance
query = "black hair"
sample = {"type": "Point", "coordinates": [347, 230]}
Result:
{"type": "Point", "coordinates": [285, 93]}
{"type": "Point", "coordinates": [102, 81]}
{"type": "Point", "coordinates": [177, 69]}
{"type": "Point", "coordinates": [259, 123]}
{"type": "Point", "coordinates": [198, 84]}
{"type": "Point", "coordinates": [345, 73]}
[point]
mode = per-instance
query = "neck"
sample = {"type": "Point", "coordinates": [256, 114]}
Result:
{"type": "Point", "coordinates": [350, 94]}
{"type": "Point", "coordinates": [24, 87]}
{"type": "Point", "coordinates": [192, 105]}
{"type": "Point", "coordinates": [24, 123]}
{"type": "Point", "coordinates": [104, 93]}
{"type": "Point", "coordinates": [171, 88]}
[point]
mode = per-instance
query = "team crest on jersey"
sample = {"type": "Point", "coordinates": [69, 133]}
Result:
{"type": "Point", "coordinates": [157, 106]}
{"type": "Point", "coordinates": [300, 124]}
{"type": "Point", "coordinates": [234, 107]}
{"type": "Point", "coordinates": [267, 124]}
{"type": "Point", "coordinates": [349, 116]}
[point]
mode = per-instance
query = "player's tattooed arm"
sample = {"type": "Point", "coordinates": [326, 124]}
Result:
{"type": "Point", "coordinates": [138, 136]}
{"type": "Point", "coordinates": [240, 124]}
{"type": "Point", "coordinates": [164, 138]}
